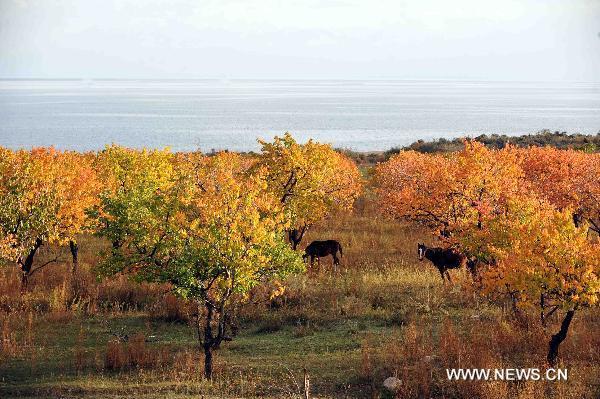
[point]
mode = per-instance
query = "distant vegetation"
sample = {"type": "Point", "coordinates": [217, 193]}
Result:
{"type": "Point", "coordinates": [544, 138]}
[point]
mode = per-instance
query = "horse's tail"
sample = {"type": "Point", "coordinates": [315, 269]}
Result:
{"type": "Point", "coordinates": [340, 248]}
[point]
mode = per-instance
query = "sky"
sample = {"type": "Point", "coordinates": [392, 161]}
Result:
{"type": "Point", "coordinates": [523, 40]}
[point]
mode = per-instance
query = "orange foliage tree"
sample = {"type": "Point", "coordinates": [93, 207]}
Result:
{"type": "Point", "coordinates": [79, 189]}
{"type": "Point", "coordinates": [448, 192]}
{"type": "Point", "coordinates": [503, 208]}
{"type": "Point", "coordinates": [417, 186]}
{"type": "Point", "coordinates": [43, 197]}
{"type": "Point", "coordinates": [567, 179]}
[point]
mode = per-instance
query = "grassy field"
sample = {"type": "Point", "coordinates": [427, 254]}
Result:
{"type": "Point", "coordinates": [383, 314]}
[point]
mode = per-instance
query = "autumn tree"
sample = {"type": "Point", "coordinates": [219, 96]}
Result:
{"type": "Point", "coordinates": [492, 210]}
{"type": "Point", "coordinates": [589, 193]}
{"type": "Point", "coordinates": [417, 187]}
{"type": "Point", "coordinates": [43, 195]}
{"type": "Point", "coordinates": [542, 258]}
{"type": "Point", "coordinates": [450, 191]}
{"type": "Point", "coordinates": [310, 180]}
{"type": "Point", "coordinates": [24, 208]}
{"type": "Point", "coordinates": [203, 225]}
{"type": "Point", "coordinates": [567, 179]}
{"type": "Point", "coordinates": [79, 188]}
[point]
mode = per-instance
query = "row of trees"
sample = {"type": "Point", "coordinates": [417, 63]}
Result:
{"type": "Point", "coordinates": [211, 227]}
{"type": "Point", "coordinates": [524, 215]}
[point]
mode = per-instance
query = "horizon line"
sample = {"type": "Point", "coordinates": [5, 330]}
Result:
{"type": "Point", "coordinates": [84, 79]}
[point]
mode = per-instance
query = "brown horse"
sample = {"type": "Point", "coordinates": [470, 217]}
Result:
{"type": "Point", "coordinates": [443, 258]}
{"type": "Point", "coordinates": [320, 249]}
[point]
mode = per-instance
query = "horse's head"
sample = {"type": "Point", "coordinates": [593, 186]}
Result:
{"type": "Point", "coordinates": [421, 248]}
{"type": "Point", "coordinates": [305, 256]}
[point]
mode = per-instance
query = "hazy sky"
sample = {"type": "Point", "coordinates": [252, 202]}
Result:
{"type": "Point", "coordinates": [422, 39]}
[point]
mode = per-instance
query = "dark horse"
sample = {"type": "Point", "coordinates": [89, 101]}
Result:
{"type": "Point", "coordinates": [443, 259]}
{"type": "Point", "coordinates": [320, 249]}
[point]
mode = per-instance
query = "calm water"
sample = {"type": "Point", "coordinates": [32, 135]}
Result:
{"type": "Point", "coordinates": [212, 114]}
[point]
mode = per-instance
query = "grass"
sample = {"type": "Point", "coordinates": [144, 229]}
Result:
{"type": "Point", "coordinates": [270, 357]}
{"type": "Point", "coordinates": [384, 313]}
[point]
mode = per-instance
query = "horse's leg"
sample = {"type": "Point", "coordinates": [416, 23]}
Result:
{"type": "Point", "coordinates": [310, 261]}
{"type": "Point", "coordinates": [448, 275]}
{"type": "Point", "coordinates": [442, 273]}
{"type": "Point", "coordinates": [336, 262]}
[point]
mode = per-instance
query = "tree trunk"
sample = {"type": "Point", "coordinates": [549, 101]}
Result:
{"type": "Point", "coordinates": [208, 342]}
{"type": "Point", "coordinates": [207, 338]}
{"type": "Point", "coordinates": [295, 236]}
{"type": "Point", "coordinates": [559, 337]}
{"type": "Point", "coordinates": [542, 310]}
{"type": "Point", "coordinates": [75, 254]}
{"type": "Point", "coordinates": [519, 316]}
{"type": "Point", "coordinates": [28, 263]}
{"type": "Point", "coordinates": [208, 362]}
{"type": "Point", "coordinates": [24, 281]}
{"type": "Point", "coordinates": [577, 219]}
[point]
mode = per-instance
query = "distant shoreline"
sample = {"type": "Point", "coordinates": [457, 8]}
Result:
{"type": "Point", "coordinates": [562, 140]}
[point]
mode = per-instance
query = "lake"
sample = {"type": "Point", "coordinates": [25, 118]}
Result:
{"type": "Point", "coordinates": [369, 115]}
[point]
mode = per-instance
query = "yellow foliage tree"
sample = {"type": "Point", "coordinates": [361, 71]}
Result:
{"type": "Point", "coordinates": [541, 258]}
{"type": "Point", "coordinates": [310, 180]}
{"type": "Point", "coordinates": [204, 225]}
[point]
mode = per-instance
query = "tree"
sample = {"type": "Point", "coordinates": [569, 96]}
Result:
{"type": "Point", "coordinates": [516, 222]}
{"type": "Point", "coordinates": [589, 193]}
{"type": "Point", "coordinates": [542, 258]}
{"type": "Point", "coordinates": [204, 225]}
{"type": "Point", "coordinates": [79, 189]}
{"type": "Point", "coordinates": [447, 192]}
{"type": "Point", "coordinates": [417, 187]}
{"type": "Point", "coordinates": [27, 206]}
{"type": "Point", "coordinates": [43, 193]}
{"type": "Point", "coordinates": [567, 179]}
{"type": "Point", "coordinates": [310, 180]}
{"type": "Point", "coordinates": [554, 174]}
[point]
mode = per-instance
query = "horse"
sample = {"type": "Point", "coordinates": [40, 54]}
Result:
{"type": "Point", "coordinates": [444, 259]}
{"type": "Point", "coordinates": [320, 249]}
